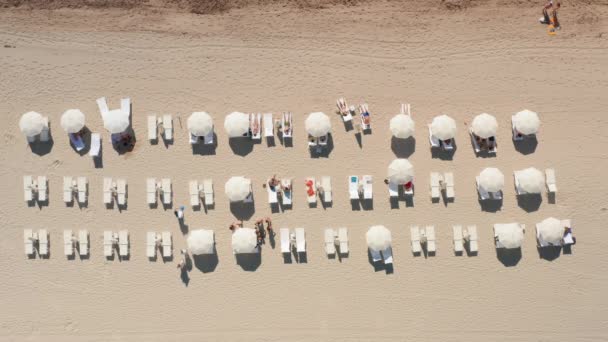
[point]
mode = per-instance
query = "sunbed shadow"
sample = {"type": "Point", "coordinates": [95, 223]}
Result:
{"type": "Point", "coordinates": [439, 153]}
{"type": "Point", "coordinates": [567, 249]}
{"type": "Point", "coordinates": [302, 257]}
{"type": "Point", "coordinates": [287, 258]}
{"type": "Point", "coordinates": [359, 139]}
{"type": "Point", "coordinates": [275, 208]}
{"type": "Point", "coordinates": [409, 201]}
{"type": "Point", "coordinates": [206, 263]}
{"type": "Point", "coordinates": [367, 204]}
{"type": "Point", "coordinates": [549, 253]}
{"type": "Point", "coordinates": [445, 198]}
{"type": "Point", "coordinates": [241, 146]}
{"type": "Point", "coordinates": [42, 203]}
{"type": "Point", "coordinates": [394, 202]}
{"type": "Point", "coordinates": [205, 150]}
{"type": "Point", "coordinates": [508, 257]}
{"type": "Point", "coordinates": [467, 249]}
{"type": "Point", "coordinates": [42, 148]}
{"type": "Point", "coordinates": [167, 206]}
{"type": "Point", "coordinates": [270, 141]}
{"type": "Point", "coordinates": [551, 198]}
{"type": "Point", "coordinates": [166, 142]}
{"type": "Point", "coordinates": [490, 205]}
{"type": "Point", "coordinates": [526, 146]}
{"type": "Point", "coordinates": [242, 211]}
{"type": "Point", "coordinates": [341, 255]}
{"type": "Point", "coordinates": [348, 125]}
{"type": "Point", "coordinates": [98, 161]}
{"type": "Point", "coordinates": [249, 262]}
{"type": "Point", "coordinates": [355, 204]}
{"type": "Point", "coordinates": [530, 202]}
{"type": "Point", "coordinates": [326, 205]}
{"type": "Point", "coordinates": [367, 131]}
{"type": "Point", "coordinates": [403, 148]}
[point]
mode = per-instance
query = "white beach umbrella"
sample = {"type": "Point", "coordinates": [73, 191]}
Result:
{"type": "Point", "coordinates": [400, 171]}
{"type": "Point", "coordinates": [31, 124]}
{"type": "Point", "coordinates": [509, 235]}
{"type": "Point", "coordinates": [378, 238]}
{"type": "Point", "coordinates": [526, 122]}
{"type": "Point", "coordinates": [201, 241]}
{"type": "Point", "coordinates": [484, 125]}
{"type": "Point", "coordinates": [244, 240]}
{"type": "Point", "coordinates": [116, 121]}
{"type": "Point", "coordinates": [200, 124]}
{"type": "Point", "coordinates": [531, 180]}
{"type": "Point", "coordinates": [550, 230]}
{"type": "Point", "coordinates": [443, 127]}
{"type": "Point", "coordinates": [72, 120]}
{"type": "Point", "coordinates": [236, 124]}
{"type": "Point", "coordinates": [402, 126]}
{"type": "Point", "coordinates": [317, 124]}
{"type": "Point", "coordinates": [238, 188]}
{"type": "Point", "coordinates": [491, 179]}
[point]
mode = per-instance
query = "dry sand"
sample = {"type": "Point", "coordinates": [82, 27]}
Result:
{"type": "Point", "coordinates": [483, 59]}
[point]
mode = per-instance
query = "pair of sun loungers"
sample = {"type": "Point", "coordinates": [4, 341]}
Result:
{"type": "Point", "coordinates": [347, 113]}
{"type": "Point", "coordinates": [167, 123]}
{"type": "Point", "coordinates": [275, 192]}
{"type": "Point", "coordinates": [111, 240]}
{"type": "Point", "coordinates": [443, 182]}
{"type": "Point", "coordinates": [70, 186]}
{"type": "Point", "coordinates": [360, 187]}
{"type": "Point", "coordinates": [423, 236]}
{"type": "Point", "coordinates": [568, 238]}
{"type": "Point", "coordinates": [285, 125]}
{"type": "Point", "coordinates": [322, 188]}
{"type": "Point", "coordinates": [153, 187]}
{"type": "Point", "coordinates": [70, 240]}
{"type": "Point", "coordinates": [467, 235]}
{"type": "Point", "coordinates": [38, 186]}
{"type": "Point", "coordinates": [111, 188]}
{"type": "Point", "coordinates": [195, 190]}
{"type": "Point", "coordinates": [290, 240]}
{"type": "Point", "coordinates": [486, 195]}
{"type": "Point", "coordinates": [386, 255]}
{"type": "Point", "coordinates": [393, 190]}
{"type": "Point", "coordinates": [447, 145]}
{"type": "Point", "coordinates": [38, 239]}
{"type": "Point", "coordinates": [156, 240]}
{"type": "Point", "coordinates": [335, 238]}
{"type": "Point", "coordinates": [491, 148]}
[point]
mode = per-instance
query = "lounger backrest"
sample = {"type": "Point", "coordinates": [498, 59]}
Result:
{"type": "Point", "coordinates": [300, 240]}
{"type": "Point", "coordinates": [103, 106]}
{"type": "Point", "coordinates": [285, 243]}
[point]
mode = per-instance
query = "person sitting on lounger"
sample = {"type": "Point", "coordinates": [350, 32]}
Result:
{"type": "Point", "coordinates": [273, 182]}
{"type": "Point", "coordinates": [286, 187]}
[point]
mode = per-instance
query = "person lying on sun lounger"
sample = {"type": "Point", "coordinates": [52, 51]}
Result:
{"type": "Point", "coordinates": [235, 225]}
{"type": "Point", "coordinates": [255, 125]}
{"type": "Point", "coordinates": [365, 115]}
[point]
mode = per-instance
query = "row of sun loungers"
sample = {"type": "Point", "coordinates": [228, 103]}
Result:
{"type": "Point", "coordinates": [166, 121]}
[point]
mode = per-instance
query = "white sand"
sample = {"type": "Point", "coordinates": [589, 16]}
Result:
{"type": "Point", "coordinates": [484, 59]}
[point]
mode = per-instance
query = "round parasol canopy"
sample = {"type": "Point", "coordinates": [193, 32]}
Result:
{"type": "Point", "coordinates": [31, 124]}
{"type": "Point", "coordinates": [378, 238]}
{"type": "Point", "coordinates": [402, 126]}
{"type": "Point", "coordinates": [200, 124]}
{"type": "Point", "coordinates": [510, 235]}
{"type": "Point", "coordinates": [116, 121]}
{"type": "Point", "coordinates": [531, 180]}
{"type": "Point", "coordinates": [236, 124]}
{"type": "Point", "coordinates": [491, 179]}
{"type": "Point", "coordinates": [526, 122]}
{"type": "Point", "coordinates": [400, 171]}
{"type": "Point", "coordinates": [244, 240]}
{"type": "Point", "coordinates": [201, 241]}
{"type": "Point", "coordinates": [484, 125]}
{"type": "Point", "coordinates": [72, 120]}
{"type": "Point", "coordinates": [317, 124]}
{"type": "Point", "coordinates": [443, 127]}
{"type": "Point", "coordinates": [238, 188]}
{"type": "Point", "coordinates": [550, 230]}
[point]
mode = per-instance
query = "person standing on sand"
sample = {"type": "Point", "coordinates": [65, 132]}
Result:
{"type": "Point", "coordinates": [179, 213]}
{"type": "Point", "coordinates": [553, 6]}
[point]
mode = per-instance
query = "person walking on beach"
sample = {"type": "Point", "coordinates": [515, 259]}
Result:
{"type": "Point", "coordinates": [179, 213]}
{"type": "Point", "coordinates": [182, 262]}
{"type": "Point", "coordinates": [550, 14]}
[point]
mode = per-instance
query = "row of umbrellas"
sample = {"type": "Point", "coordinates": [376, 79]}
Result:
{"type": "Point", "coordinates": [201, 241]}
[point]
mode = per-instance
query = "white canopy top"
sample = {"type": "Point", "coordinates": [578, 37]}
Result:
{"type": "Point", "coordinates": [201, 241]}
{"type": "Point", "coordinates": [530, 180]}
{"type": "Point", "coordinates": [509, 235]}
{"type": "Point", "coordinates": [72, 120]}
{"type": "Point", "coordinates": [200, 124]}
{"type": "Point", "coordinates": [317, 124]}
{"type": "Point", "coordinates": [550, 231]}
{"type": "Point", "coordinates": [484, 125]}
{"type": "Point", "coordinates": [238, 188]}
{"type": "Point", "coordinates": [115, 121]}
{"type": "Point", "coordinates": [400, 171]}
{"type": "Point", "coordinates": [31, 124]}
{"type": "Point", "coordinates": [378, 238]}
{"type": "Point", "coordinates": [526, 122]}
{"type": "Point", "coordinates": [402, 126]}
{"type": "Point", "coordinates": [491, 179]}
{"type": "Point", "coordinates": [443, 127]}
{"type": "Point", "coordinates": [236, 124]}
{"type": "Point", "coordinates": [244, 240]}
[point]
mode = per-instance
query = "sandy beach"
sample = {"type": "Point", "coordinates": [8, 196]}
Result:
{"type": "Point", "coordinates": [483, 56]}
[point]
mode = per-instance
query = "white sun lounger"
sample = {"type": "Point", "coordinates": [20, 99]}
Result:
{"type": "Point", "coordinates": [195, 194]}
{"type": "Point", "coordinates": [208, 139]}
{"type": "Point", "coordinates": [516, 135]}
{"type": "Point", "coordinates": [326, 185]}
{"type": "Point", "coordinates": [312, 141]}
{"type": "Point", "coordinates": [483, 194]}
{"type": "Point", "coordinates": [95, 145]}
{"type": "Point", "coordinates": [249, 198]}
{"type": "Point", "coordinates": [448, 178]}
{"type": "Point", "coordinates": [375, 255]}
{"type": "Point", "coordinates": [568, 238]}
{"type": "Point", "coordinates": [388, 255]}
{"type": "Point", "coordinates": [152, 128]}
{"type": "Point", "coordinates": [103, 106]}
{"type": "Point", "coordinates": [330, 241]}
{"type": "Point", "coordinates": [550, 180]}
{"type": "Point", "coordinates": [28, 240]}
{"type": "Point", "coordinates": [286, 118]}
{"type": "Point", "coordinates": [367, 187]}
{"type": "Point", "coordinates": [125, 106]}
{"type": "Point", "coordinates": [300, 240]}
{"type": "Point", "coordinates": [273, 196]}
{"type": "Point", "coordinates": [344, 110]}
{"type": "Point", "coordinates": [28, 188]}
{"type": "Point", "coordinates": [82, 189]}
{"type": "Point", "coordinates": [393, 189]}
{"type": "Point", "coordinates": [311, 198]}
{"type": "Point", "coordinates": [68, 189]}
{"type": "Point", "coordinates": [42, 189]}
{"type": "Point", "coordinates": [45, 133]}
{"type": "Point", "coordinates": [435, 185]}
{"type": "Point", "coordinates": [286, 195]}
{"type": "Point", "coordinates": [432, 139]}
{"type": "Point", "coordinates": [151, 190]}
{"type": "Point", "coordinates": [43, 242]}
{"type": "Point", "coordinates": [107, 190]}
{"type": "Point", "coordinates": [285, 241]}
{"type": "Point", "coordinates": [516, 180]}
{"type": "Point", "coordinates": [121, 191]}
{"type": "Point", "coordinates": [151, 238]}
{"type": "Point", "coordinates": [353, 187]}
{"type": "Point", "coordinates": [168, 127]}
{"type": "Point", "coordinates": [364, 109]}
{"type": "Point", "coordinates": [77, 141]}
{"type": "Point", "coordinates": [415, 239]}
{"type": "Point", "coordinates": [68, 243]}
{"type": "Point", "coordinates": [471, 236]}
{"type": "Point", "coordinates": [167, 244]}
{"type": "Point", "coordinates": [166, 187]}
{"type": "Point", "coordinates": [258, 118]}
{"type": "Point", "coordinates": [474, 141]}
{"type": "Point", "coordinates": [343, 238]}
{"type": "Point", "coordinates": [108, 243]}
{"type": "Point", "coordinates": [208, 191]}
{"type": "Point", "coordinates": [431, 246]}
{"type": "Point", "coordinates": [123, 243]}
{"type": "Point", "coordinates": [458, 245]}
{"type": "Point", "coordinates": [83, 242]}
{"type": "Point", "coordinates": [268, 125]}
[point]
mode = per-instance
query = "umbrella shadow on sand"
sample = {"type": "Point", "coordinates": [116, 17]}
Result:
{"type": "Point", "coordinates": [529, 202]}
{"type": "Point", "coordinates": [379, 265]}
{"type": "Point", "coordinates": [549, 253]}
{"type": "Point", "coordinates": [249, 262]}
{"type": "Point", "coordinates": [42, 148]}
{"type": "Point", "coordinates": [241, 146]}
{"type": "Point", "coordinates": [242, 211]}
{"type": "Point", "coordinates": [508, 257]}
{"type": "Point", "coordinates": [206, 263]}
{"type": "Point", "coordinates": [526, 146]}
{"type": "Point", "coordinates": [403, 148]}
